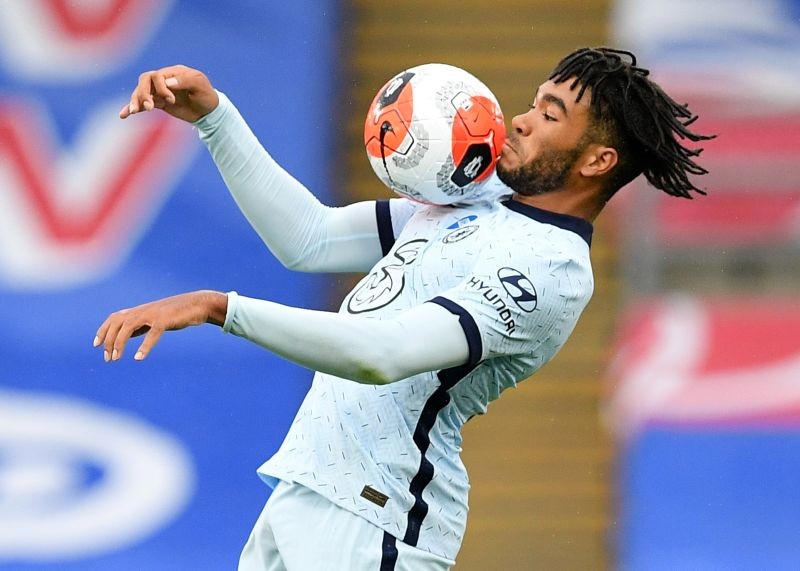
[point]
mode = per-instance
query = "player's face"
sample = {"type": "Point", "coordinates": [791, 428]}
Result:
{"type": "Point", "coordinates": [545, 144]}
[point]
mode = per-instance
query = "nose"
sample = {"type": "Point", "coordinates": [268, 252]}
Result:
{"type": "Point", "coordinates": [520, 124]}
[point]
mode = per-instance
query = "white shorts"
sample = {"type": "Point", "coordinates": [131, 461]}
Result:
{"type": "Point", "coordinates": [300, 530]}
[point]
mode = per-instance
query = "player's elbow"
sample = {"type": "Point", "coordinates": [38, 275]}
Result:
{"type": "Point", "coordinates": [305, 262]}
{"type": "Point", "coordinates": [377, 368]}
{"type": "Point", "coordinates": [386, 351]}
{"type": "Point", "coordinates": [309, 262]}
{"type": "Point", "coordinates": [298, 265]}
{"type": "Point", "coordinates": [369, 375]}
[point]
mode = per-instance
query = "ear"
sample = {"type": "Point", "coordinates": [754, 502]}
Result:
{"type": "Point", "coordinates": [599, 160]}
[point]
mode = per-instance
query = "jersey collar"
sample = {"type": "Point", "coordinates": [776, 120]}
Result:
{"type": "Point", "coordinates": [579, 226]}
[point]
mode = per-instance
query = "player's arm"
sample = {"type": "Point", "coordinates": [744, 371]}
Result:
{"type": "Point", "coordinates": [301, 232]}
{"type": "Point", "coordinates": [370, 351]}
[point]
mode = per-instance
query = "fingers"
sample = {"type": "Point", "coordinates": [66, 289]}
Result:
{"type": "Point", "coordinates": [142, 96]}
{"type": "Point", "coordinates": [161, 87]}
{"type": "Point", "coordinates": [152, 91]}
{"type": "Point", "coordinates": [130, 328]}
{"type": "Point", "coordinates": [115, 332]}
{"type": "Point", "coordinates": [152, 337]}
{"type": "Point", "coordinates": [154, 319]}
{"type": "Point", "coordinates": [181, 91]}
{"type": "Point", "coordinates": [108, 335]}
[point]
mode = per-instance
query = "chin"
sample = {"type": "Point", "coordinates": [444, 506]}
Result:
{"type": "Point", "coordinates": [504, 165]}
{"type": "Point", "coordinates": [502, 172]}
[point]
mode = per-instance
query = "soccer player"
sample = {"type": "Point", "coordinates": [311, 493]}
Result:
{"type": "Point", "coordinates": [458, 304]}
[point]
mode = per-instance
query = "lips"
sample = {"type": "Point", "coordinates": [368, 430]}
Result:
{"type": "Point", "coordinates": [507, 147]}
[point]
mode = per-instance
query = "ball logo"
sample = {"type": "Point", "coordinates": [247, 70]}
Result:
{"type": "Point", "coordinates": [396, 82]}
{"type": "Point", "coordinates": [386, 281]}
{"type": "Point", "coordinates": [78, 480]}
{"type": "Point", "coordinates": [393, 90]}
{"type": "Point", "coordinates": [473, 167]}
{"type": "Point", "coordinates": [519, 287]}
{"type": "Point", "coordinates": [462, 101]}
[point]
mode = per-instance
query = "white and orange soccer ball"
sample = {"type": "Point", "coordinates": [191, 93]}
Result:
{"type": "Point", "coordinates": [433, 133]}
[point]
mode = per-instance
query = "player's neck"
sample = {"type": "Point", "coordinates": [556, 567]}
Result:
{"type": "Point", "coordinates": [584, 205]}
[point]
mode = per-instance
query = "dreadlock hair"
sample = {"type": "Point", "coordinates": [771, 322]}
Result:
{"type": "Point", "coordinates": [634, 115]}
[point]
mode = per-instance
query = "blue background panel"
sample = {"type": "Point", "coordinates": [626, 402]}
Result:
{"type": "Point", "coordinates": [219, 403]}
{"type": "Point", "coordinates": [725, 499]}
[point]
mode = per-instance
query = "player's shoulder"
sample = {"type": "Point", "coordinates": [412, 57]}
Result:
{"type": "Point", "coordinates": [537, 242]}
{"type": "Point", "coordinates": [529, 224]}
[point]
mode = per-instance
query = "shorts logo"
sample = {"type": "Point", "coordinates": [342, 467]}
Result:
{"type": "Point", "coordinates": [519, 287]}
{"type": "Point", "coordinates": [386, 281]}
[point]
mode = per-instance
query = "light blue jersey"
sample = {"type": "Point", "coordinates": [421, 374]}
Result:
{"type": "Point", "coordinates": [518, 278]}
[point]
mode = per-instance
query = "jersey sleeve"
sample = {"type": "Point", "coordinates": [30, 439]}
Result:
{"type": "Point", "coordinates": [301, 232]}
{"type": "Point", "coordinates": [373, 351]}
{"type": "Point", "coordinates": [518, 302]}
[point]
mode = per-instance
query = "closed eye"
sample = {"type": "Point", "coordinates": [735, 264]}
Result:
{"type": "Point", "coordinates": [546, 116]}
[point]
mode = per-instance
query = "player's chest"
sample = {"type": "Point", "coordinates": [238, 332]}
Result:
{"type": "Point", "coordinates": [430, 256]}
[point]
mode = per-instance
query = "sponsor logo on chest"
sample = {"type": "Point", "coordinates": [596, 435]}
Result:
{"type": "Point", "coordinates": [387, 280]}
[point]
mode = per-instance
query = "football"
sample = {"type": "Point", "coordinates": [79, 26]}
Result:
{"type": "Point", "coordinates": [433, 133]}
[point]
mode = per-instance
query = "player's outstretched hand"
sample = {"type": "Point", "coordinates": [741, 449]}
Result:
{"type": "Point", "coordinates": [181, 91]}
{"type": "Point", "coordinates": [154, 318]}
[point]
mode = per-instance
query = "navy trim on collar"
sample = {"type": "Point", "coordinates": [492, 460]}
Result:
{"type": "Point", "coordinates": [581, 227]}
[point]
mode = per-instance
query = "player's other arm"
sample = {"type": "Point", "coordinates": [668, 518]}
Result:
{"type": "Point", "coordinates": [300, 231]}
{"type": "Point", "coordinates": [369, 351]}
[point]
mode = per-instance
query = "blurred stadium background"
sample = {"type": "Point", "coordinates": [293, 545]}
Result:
{"type": "Point", "coordinates": [663, 437]}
